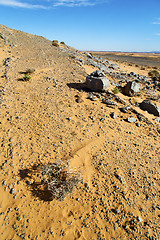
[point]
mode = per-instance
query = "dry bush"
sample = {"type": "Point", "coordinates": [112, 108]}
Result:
{"type": "Point", "coordinates": [55, 43]}
{"type": "Point", "coordinates": [155, 75]}
{"type": "Point", "coordinates": [58, 180]}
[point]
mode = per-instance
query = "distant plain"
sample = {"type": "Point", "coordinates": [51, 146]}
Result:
{"type": "Point", "coordinates": [145, 59]}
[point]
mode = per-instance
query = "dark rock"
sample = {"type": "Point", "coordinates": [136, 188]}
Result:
{"type": "Point", "coordinates": [3, 183]}
{"type": "Point", "coordinates": [119, 178]}
{"type": "Point", "coordinates": [7, 61]}
{"type": "Point", "coordinates": [113, 115]}
{"type": "Point", "coordinates": [80, 60]}
{"type": "Point", "coordinates": [156, 119]}
{"type": "Point", "coordinates": [89, 55]}
{"type": "Point", "coordinates": [132, 73]}
{"type": "Point", "coordinates": [109, 102]}
{"type": "Point", "coordinates": [150, 107]}
{"type": "Point", "coordinates": [116, 211]}
{"type": "Point", "coordinates": [114, 66]}
{"type": "Point", "coordinates": [29, 183]}
{"type": "Point", "coordinates": [131, 89]}
{"type": "Point", "coordinates": [12, 191]}
{"type": "Point", "coordinates": [125, 109]}
{"type": "Point", "coordinates": [97, 81]}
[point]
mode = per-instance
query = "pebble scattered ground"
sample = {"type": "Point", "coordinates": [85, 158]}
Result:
{"type": "Point", "coordinates": [114, 147]}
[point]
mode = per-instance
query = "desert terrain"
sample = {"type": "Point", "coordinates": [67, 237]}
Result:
{"type": "Point", "coordinates": [51, 117]}
{"type": "Point", "coordinates": [142, 59]}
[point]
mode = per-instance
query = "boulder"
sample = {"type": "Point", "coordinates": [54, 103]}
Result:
{"type": "Point", "coordinates": [150, 107]}
{"type": "Point", "coordinates": [131, 89]}
{"type": "Point", "coordinates": [97, 81]}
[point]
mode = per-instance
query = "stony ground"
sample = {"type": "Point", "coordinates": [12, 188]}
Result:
{"type": "Point", "coordinates": [52, 116]}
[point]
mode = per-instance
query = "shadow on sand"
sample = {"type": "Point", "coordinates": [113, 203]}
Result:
{"type": "Point", "coordinates": [78, 86]}
{"type": "Point", "coordinates": [34, 184]}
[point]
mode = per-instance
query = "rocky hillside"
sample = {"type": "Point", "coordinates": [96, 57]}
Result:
{"type": "Point", "coordinates": [75, 163]}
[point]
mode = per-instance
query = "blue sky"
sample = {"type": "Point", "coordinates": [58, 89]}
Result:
{"type": "Point", "coordinates": [111, 25]}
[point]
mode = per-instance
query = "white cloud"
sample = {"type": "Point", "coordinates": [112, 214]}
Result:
{"type": "Point", "coordinates": [15, 3]}
{"type": "Point", "coordinates": [157, 34]}
{"type": "Point", "coordinates": [157, 22]}
{"type": "Point", "coordinates": [47, 4]}
{"type": "Point", "coordinates": [74, 3]}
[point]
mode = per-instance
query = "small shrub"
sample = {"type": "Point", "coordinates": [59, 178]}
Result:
{"type": "Point", "coordinates": [55, 43]}
{"type": "Point", "coordinates": [116, 90]}
{"type": "Point", "coordinates": [58, 179]}
{"type": "Point", "coordinates": [27, 77]}
{"type": "Point", "coordinates": [30, 70]}
{"type": "Point", "coordinates": [136, 65]}
{"type": "Point", "coordinates": [142, 68]}
{"type": "Point", "coordinates": [155, 75]}
{"type": "Point", "coordinates": [62, 43]}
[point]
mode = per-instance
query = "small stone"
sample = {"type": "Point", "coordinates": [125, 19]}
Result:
{"type": "Point", "coordinates": [86, 185]}
{"type": "Point", "coordinates": [131, 120]}
{"type": "Point", "coordinates": [116, 211]}
{"type": "Point", "coordinates": [109, 102]}
{"type": "Point", "coordinates": [92, 97]}
{"type": "Point", "coordinates": [12, 191]}
{"type": "Point", "coordinates": [113, 115]}
{"type": "Point", "coordinates": [156, 119]}
{"type": "Point", "coordinates": [29, 183]}
{"type": "Point", "coordinates": [79, 100]}
{"type": "Point", "coordinates": [124, 109]}
{"type": "Point", "coordinates": [3, 182]}
{"type": "Point", "coordinates": [139, 219]}
{"type": "Point", "coordinates": [119, 178]}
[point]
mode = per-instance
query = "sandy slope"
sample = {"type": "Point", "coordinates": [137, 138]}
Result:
{"type": "Point", "coordinates": [41, 122]}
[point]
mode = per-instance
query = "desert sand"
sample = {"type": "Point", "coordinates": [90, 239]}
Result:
{"type": "Point", "coordinates": [42, 122]}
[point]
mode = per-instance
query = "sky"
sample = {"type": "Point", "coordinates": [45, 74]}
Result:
{"type": "Point", "coordinates": [100, 25]}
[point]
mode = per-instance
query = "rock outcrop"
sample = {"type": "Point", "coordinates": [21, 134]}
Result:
{"type": "Point", "coordinates": [131, 89]}
{"type": "Point", "coordinates": [97, 81]}
{"type": "Point", "coordinates": [150, 107]}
